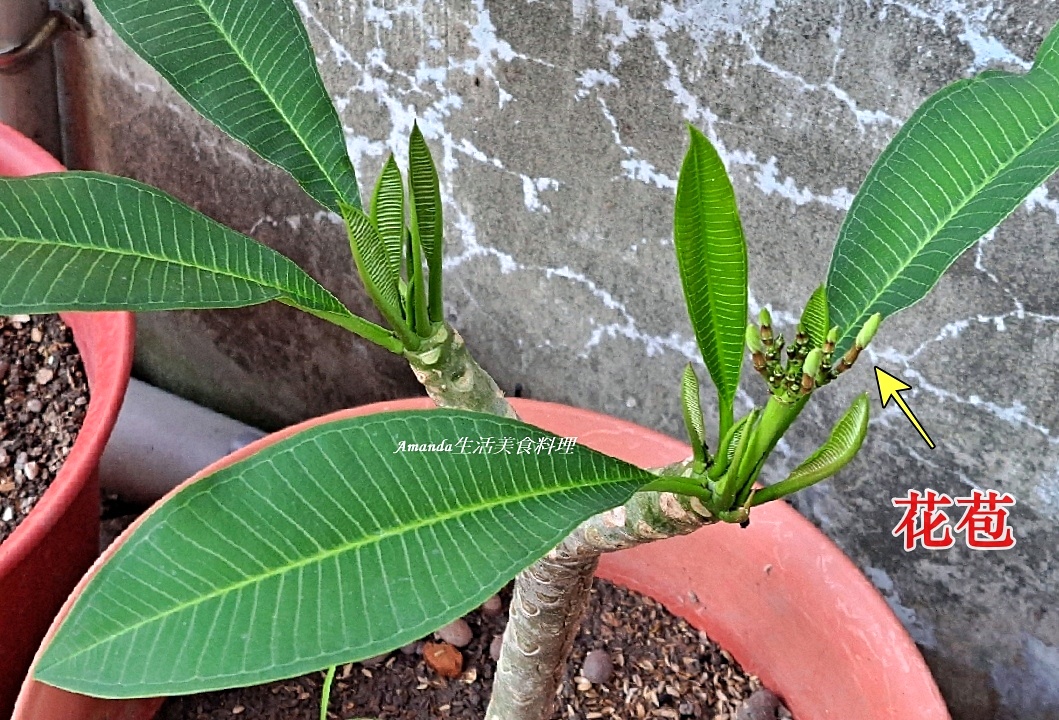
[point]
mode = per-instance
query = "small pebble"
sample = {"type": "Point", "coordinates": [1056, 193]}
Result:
{"type": "Point", "coordinates": [762, 705]}
{"type": "Point", "coordinates": [36, 335]}
{"type": "Point", "coordinates": [598, 666]}
{"type": "Point", "coordinates": [492, 606]}
{"type": "Point", "coordinates": [9, 513]}
{"type": "Point", "coordinates": [5, 459]}
{"type": "Point", "coordinates": [44, 376]}
{"type": "Point", "coordinates": [496, 646]}
{"type": "Point", "coordinates": [31, 470]}
{"type": "Point", "coordinates": [238, 710]}
{"type": "Point", "coordinates": [457, 633]}
{"type": "Point", "coordinates": [411, 648]}
{"type": "Point", "coordinates": [20, 318]}
{"type": "Point", "coordinates": [375, 660]}
{"type": "Point", "coordinates": [34, 405]}
{"type": "Point", "coordinates": [443, 658]}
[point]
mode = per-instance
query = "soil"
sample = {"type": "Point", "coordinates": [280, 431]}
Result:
{"type": "Point", "coordinates": [45, 399]}
{"type": "Point", "coordinates": [662, 668]}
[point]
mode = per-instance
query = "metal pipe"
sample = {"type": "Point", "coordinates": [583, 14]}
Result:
{"type": "Point", "coordinates": [28, 98]}
{"type": "Point", "coordinates": [160, 440]}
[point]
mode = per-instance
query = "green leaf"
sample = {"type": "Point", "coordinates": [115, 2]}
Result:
{"type": "Point", "coordinates": [960, 165]}
{"type": "Point", "coordinates": [815, 319]}
{"type": "Point", "coordinates": [843, 444]}
{"type": "Point", "coordinates": [326, 547]}
{"type": "Point", "coordinates": [426, 194]}
{"type": "Point", "coordinates": [711, 255]}
{"type": "Point", "coordinates": [373, 263]}
{"type": "Point", "coordinates": [387, 214]}
{"type": "Point", "coordinates": [88, 241]}
{"type": "Point", "coordinates": [248, 67]}
{"type": "Point", "coordinates": [693, 421]}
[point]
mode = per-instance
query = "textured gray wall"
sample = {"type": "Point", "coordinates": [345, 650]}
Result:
{"type": "Point", "coordinates": [560, 129]}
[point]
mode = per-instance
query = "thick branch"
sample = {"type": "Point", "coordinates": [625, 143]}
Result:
{"type": "Point", "coordinates": [551, 595]}
{"type": "Point", "coordinates": [452, 378]}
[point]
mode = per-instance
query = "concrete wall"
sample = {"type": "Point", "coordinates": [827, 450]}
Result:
{"type": "Point", "coordinates": [560, 130]}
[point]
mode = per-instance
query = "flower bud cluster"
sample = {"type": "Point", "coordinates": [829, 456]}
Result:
{"type": "Point", "coordinates": [806, 367]}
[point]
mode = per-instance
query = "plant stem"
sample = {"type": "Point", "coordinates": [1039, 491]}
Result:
{"type": "Point", "coordinates": [551, 595]}
{"type": "Point", "coordinates": [451, 376]}
{"type": "Point", "coordinates": [325, 693]}
{"type": "Point", "coordinates": [546, 609]}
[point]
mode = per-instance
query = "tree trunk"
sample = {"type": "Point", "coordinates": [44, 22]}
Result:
{"type": "Point", "coordinates": [551, 595]}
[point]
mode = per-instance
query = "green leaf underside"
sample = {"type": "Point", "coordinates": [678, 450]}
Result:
{"type": "Point", "coordinates": [842, 445]}
{"type": "Point", "coordinates": [815, 317]}
{"type": "Point", "coordinates": [426, 194]}
{"type": "Point", "coordinates": [711, 255]}
{"type": "Point", "coordinates": [373, 261]}
{"type": "Point", "coordinates": [248, 67]}
{"type": "Point", "coordinates": [387, 212]}
{"type": "Point", "coordinates": [960, 165]}
{"type": "Point", "coordinates": [87, 241]}
{"type": "Point", "coordinates": [324, 548]}
{"type": "Point", "coordinates": [692, 405]}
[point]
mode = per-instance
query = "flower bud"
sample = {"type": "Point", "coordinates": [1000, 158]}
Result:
{"type": "Point", "coordinates": [829, 342]}
{"type": "Point", "coordinates": [811, 366]}
{"type": "Point", "coordinates": [868, 331]}
{"type": "Point", "coordinates": [764, 318]}
{"type": "Point", "coordinates": [753, 339]}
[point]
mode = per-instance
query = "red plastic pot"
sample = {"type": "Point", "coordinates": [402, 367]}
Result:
{"type": "Point", "coordinates": [41, 562]}
{"type": "Point", "coordinates": [789, 605]}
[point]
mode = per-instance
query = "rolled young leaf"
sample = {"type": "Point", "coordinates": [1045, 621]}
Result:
{"type": "Point", "coordinates": [248, 67]}
{"type": "Point", "coordinates": [842, 445]}
{"type": "Point", "coordinates": [88, 241]}
{"type": "Point", "coordinates": [372, 258]}
{"type": "Point", "coordinates": [387, 214]}
{"type": "Point", "coordinates": [426, 194]}
{"type": "Point", "coordinates": [960, 165]}
{"type": "Point", "coordinates": [815, 319]}
{"type": "Point", "coordinates": [691, 403]}
{"type": "Point", "coordinates": [712, 258]}
{"type": "Point", "coordinates": [336, 544]}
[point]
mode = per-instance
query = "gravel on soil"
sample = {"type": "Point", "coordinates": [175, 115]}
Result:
{"type": "Point", "coordinates": [660, 667]}
{"type": "Point", "coordinates": [45, 399]}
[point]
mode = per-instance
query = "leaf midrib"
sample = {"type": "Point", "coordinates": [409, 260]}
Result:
{"type": "Point", "coordinates": [716, 324]}
{"type": "Point", "coordinates": [969, 197]}
{"type": "Point", "coordinates": [272, 99]}
{"type": "Point", "coordinates": [283, 291]}
{"type": "Point", "coordinates": [339, 550]}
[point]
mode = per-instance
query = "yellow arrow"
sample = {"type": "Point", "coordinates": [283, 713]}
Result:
{"type": "Point", "coordinates": [891, 387]}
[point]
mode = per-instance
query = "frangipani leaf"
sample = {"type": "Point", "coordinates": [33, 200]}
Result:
{"type": "Point", "coordinates": [960, 165]}
{"type": "Point", "coordinates": [815, 317]}
{"type": "Point", "coordinates": [326, 547]}
{"type": "Point", "coordinates": [693, 421]}
{"type": "Point", "coordinates": [712, 258]}
{"type": "Point", "coordinates": [373, 263]}
{"type": "Point", "coordinates": [426, 194]}
{"type": "Point", "coordinates": [845, 440]}
{"type": "Point", "coordinates": [387, 214]}
{"type": "Point", "coordinates": [248, 67]}
{"type": "Point", "coordinates": [88, 241]}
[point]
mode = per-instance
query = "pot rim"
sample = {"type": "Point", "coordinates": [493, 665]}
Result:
{"type": "Point", "coordinates": [107, 372]}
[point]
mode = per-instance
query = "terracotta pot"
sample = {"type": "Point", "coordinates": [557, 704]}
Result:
{"type": "Point", "coordinates": [787, 604]}
{"type": "Point", "coordinates": [53, 547]}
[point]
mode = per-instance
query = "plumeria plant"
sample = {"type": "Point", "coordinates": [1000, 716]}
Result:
{"type": "Point", "coordinates": [327, 547]}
